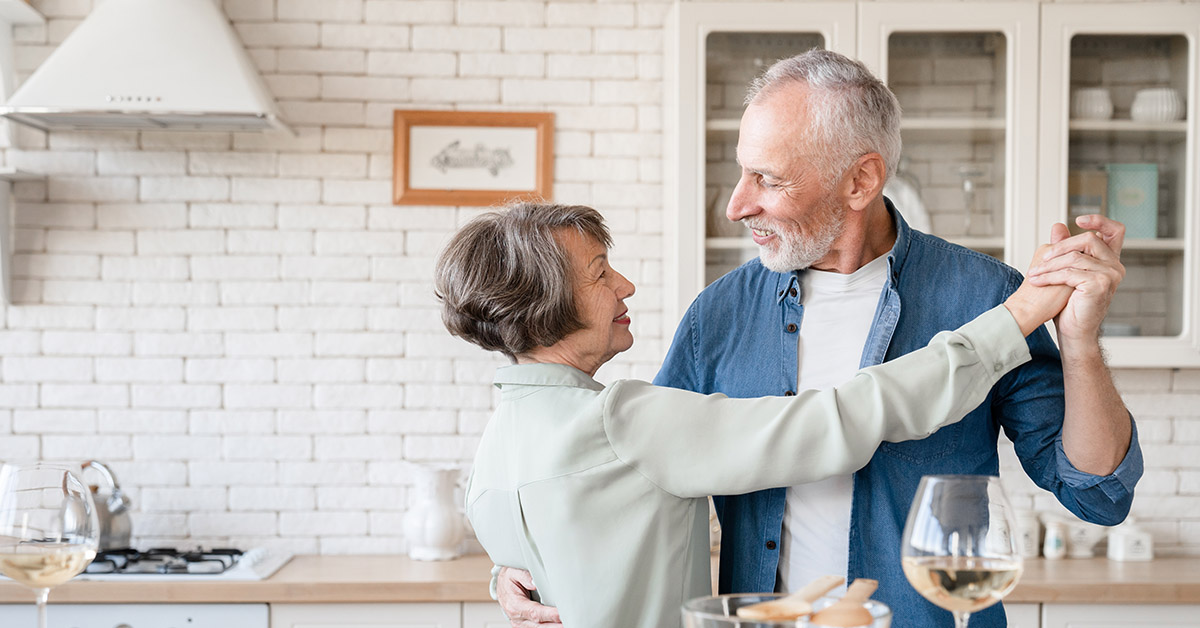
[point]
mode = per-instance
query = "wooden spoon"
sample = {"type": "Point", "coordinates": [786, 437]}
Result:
{"type": "Point", "coordinates": [849, 610]}
{"type": "Point", "coordinates": [792, 606]}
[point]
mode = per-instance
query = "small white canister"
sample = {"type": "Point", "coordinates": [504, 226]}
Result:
{"type": "Point", "coordinates": [1028, 534]}
{"type": "Point", "coordinates": [1055, 545]}
{"type": "Point", "coordinates": [1129, 542]}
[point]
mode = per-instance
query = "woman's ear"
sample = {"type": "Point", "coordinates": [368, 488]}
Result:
{"type": "Point", "coordinates": [864, 181]}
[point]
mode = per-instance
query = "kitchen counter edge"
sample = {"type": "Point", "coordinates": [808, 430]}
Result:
{"type": "Point", "coordinates": [383, 579]}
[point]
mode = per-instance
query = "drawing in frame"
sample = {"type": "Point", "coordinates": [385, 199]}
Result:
{"type": "Point", "coordinates": [472, 157]}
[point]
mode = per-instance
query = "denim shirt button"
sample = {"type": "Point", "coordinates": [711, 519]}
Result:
{"type": "Point", "coordinates": [790, 393]}
{"type": "Point", "coordinates": [791, 328]}
{"type": "Point", "coordinates": [770, 545]}
{"type": "Point", "coordinates": [792, 292]}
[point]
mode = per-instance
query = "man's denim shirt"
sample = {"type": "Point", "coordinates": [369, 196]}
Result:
{"type": "Point", "coordinates": [734, 340]}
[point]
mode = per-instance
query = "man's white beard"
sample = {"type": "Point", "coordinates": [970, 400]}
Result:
{"type": "Point", "coordinates": [794, 251]}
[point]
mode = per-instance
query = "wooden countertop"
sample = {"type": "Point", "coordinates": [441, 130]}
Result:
{"type": "Point", "coordinates": [371, 579]}
{"type": "Point", "coordinates": [1102, 581]}
{"type": "Point", "coordinates": [305, 579]}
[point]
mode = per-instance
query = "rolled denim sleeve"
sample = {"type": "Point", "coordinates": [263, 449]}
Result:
{"type": "Point", "coordinates": [1030, 405]}
{"type": "Point", "coordinates": [1118, 485]}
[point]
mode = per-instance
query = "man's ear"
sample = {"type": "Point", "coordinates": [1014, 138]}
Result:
{"type": "Point", "coordinates": [864, 181]}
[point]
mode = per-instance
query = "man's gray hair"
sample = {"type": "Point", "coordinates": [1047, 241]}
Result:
{"type": "Point", "coordinates": [853, 112]}
{"type": "Point", "coordinates": [506, 282]}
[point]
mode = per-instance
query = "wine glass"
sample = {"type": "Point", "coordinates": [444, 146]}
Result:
{"type": "Point", "coordinates": [49, 531]}
{"type": "Point", "coordinates": [959, 547]}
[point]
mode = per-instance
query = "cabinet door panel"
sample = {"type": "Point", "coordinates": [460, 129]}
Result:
{"type": "Point", "coordinates": [441, 615]}
{"type": "Point", "coordinates": [1120, 615]}
{"type": "Point", "coordinates": [965, 76]}
{"type": "Point", "coordinates": [1023, 615]}
{"type": "Point", "coordinates": [1103, 150]}
{"type": "Point", "coordinates": [713, 50]}
{"type": "Point", "coordinates": [483, 615]}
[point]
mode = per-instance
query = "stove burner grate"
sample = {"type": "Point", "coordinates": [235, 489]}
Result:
{"type": "Point", "coordinates": [164, 560]}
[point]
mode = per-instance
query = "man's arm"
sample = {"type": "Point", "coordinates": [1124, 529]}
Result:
{"type": "Point", "coordinates": [513, 587]}
{"type": "Point", "coordinates": [1097, 427]}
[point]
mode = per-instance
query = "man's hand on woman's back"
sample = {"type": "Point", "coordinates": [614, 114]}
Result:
{"type": "Point", "coordinates": [512, 591]}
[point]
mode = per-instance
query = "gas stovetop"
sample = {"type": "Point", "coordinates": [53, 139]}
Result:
{"type": "Point", "coordinates": [192, 564]}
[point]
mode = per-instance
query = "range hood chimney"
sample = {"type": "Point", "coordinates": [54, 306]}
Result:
{"type": "Point", "coordinates": [148, 64]}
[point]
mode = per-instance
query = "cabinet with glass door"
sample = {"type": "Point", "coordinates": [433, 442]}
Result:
{"type": "Point", "coordinates": [719, 48]}
{"type": "Point", "coordinates": [964, 76]}
{"type": "Point", "coordinates": [1119, 129]}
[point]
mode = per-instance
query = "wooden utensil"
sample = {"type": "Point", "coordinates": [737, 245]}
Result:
{"type": "Point", "coordinates": [849, 610]}
{"type": "Point", "coordinates": [794, 605]}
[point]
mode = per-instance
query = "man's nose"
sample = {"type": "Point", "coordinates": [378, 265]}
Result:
{"type": "Point", "coordinates": [741, 202]}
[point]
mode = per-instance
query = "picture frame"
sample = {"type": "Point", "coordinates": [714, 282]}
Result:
{"type": "Point", "coordinates": [475, 158]}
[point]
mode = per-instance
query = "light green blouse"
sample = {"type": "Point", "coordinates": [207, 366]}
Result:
{"type": "Point", "coordinates": [600, 492]}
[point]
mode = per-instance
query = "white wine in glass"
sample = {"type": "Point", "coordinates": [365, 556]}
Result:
{"type": "Point", "coordinates": [49, 530]}
{"type": "Point", "coordinates": [959, 548]}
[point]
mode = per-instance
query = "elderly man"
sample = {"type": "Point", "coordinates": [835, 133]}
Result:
{"type": "Point", "coordinates": [843, 282]}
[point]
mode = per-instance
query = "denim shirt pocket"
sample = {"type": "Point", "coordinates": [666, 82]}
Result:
{"type": "Point", "coordinates": [944, 442]}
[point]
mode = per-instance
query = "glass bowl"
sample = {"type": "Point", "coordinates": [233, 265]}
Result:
{"type": "Point", "coordinates": [881, 614]}
{"type": "Point", "coordinates": [720, 611]}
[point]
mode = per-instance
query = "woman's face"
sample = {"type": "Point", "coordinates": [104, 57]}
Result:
{"type": "Point", "coordinates": [600, 294]}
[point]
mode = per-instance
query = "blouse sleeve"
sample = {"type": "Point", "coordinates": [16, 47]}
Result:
{"type": "Point", "coordinates": [693, 445]}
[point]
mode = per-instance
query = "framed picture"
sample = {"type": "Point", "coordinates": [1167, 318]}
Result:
{"type": "Point", "coordinates": [472, 157]}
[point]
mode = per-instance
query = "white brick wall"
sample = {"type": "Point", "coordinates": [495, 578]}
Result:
{"type": "Point", "coordinates": [243, 326]}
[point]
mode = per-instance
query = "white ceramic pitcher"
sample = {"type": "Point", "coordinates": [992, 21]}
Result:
{"type": "Point", "coordinates": [433, 527]}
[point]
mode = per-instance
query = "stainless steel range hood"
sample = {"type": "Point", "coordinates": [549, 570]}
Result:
{"type": "Point", "coordinates": [148, 64]}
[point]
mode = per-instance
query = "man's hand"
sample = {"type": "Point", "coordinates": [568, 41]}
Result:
{"type": "Point", "coordinates": [1097, 429]}
{"type": "Point", "coordinates": [512, 591]}
{"type": "Point", "coordinates": [1091, 264]}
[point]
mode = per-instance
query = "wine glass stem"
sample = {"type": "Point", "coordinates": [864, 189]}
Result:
{"type": "Point", "coordinates": [42, 595]}
{"type": "Point", "coordinates": [960, 619]}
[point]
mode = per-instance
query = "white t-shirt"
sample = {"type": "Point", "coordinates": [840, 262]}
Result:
{"type": "Point", "coordinates": [838, 310]}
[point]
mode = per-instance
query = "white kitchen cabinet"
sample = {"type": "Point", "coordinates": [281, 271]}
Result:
{"type": "Point", "coordinates": [713, 51]}
{"type": "Point", "coordinates": [1120, 615]}
{"type": "Point", "coordinates": [988, 141]}
{"type": "Point", "coordinates": [1147, 169]}
{"type": "Point", "coordinates": [414, 615]}
{"type": "Point", "coordinates": [1023, 615]}
{"type": "Point", "coordinates": [965, 76]}
{"type": "Point", "coordinates": [483, 615]}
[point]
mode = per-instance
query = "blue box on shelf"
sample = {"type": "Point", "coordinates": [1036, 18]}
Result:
{"type": "Point", "coordinates": [1133, 198]}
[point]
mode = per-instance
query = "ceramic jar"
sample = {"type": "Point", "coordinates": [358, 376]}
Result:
{"type": "Point", "coordinates": [1091, 103]}
{"type": "Point", "coordinates": [433, 527]}
{"type": "Point", "coordinates": [1158, 104]}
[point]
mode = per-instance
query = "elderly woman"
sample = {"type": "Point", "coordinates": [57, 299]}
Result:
{"type": "Point", "coordinates": [600, 492]}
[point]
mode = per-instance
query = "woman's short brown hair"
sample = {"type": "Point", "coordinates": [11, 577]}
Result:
{"type": "Point", "coordinates": [504, 280]}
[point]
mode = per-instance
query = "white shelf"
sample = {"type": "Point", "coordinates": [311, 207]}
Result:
{"type": "Point", "coordinates": [953, 128]}
{"type": "Point", "coordinates": [1154, 244]}
{"type": "Point", "coordinates": [734, 244]}
{"type": "Point", "coordinates": [13, 175]}
{"type": "Point", "coordinates": [978, 243]}
{"type": "Point", "coordinates": [1129, 130]}
{"type": "Point", "coordinates": [723, 124]}
{"type": "Point", "coordinates": [19, 12]}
